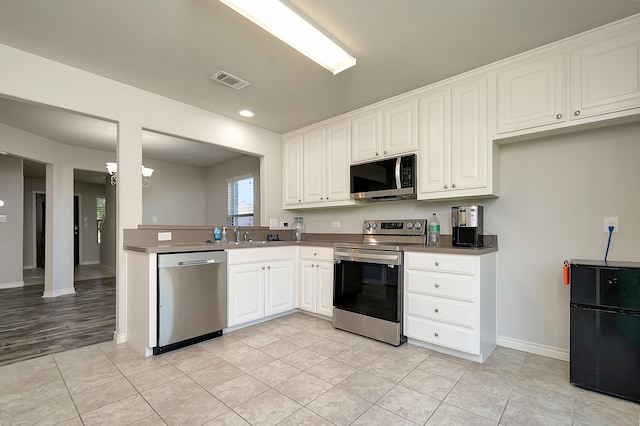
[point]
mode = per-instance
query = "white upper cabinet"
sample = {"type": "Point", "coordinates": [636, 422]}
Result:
{"type": "Point", "coordinates": [316, 167]}
{"type": "Point", "coordinates": [366, 140]}
{"type": "Point", "coordinates": [313, 166]}
{"type": "Point", "coordinates": [337, 153]}
{"type": "Point", "coordinates": [469, 137]}
{"type": "Point", "coordinates": [605, 75]}
{"type": "Point", "coordinates": [292, 165]}
{"type": "Point", "coordinates": [435, 142]}
{"type": "Point", "coordinates": [389, 131]}
{"type": "Point", "coordinates": [595, 79]}
{"type": "Point", "coordinates": [400, 130]}
{"type": "Point", "coordinates": [531, 93]}
{"type": "Point", "coordinates": [454, 145]}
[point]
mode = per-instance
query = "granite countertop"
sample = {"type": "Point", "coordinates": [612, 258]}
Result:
{"type": "Point", "coordinates": [187, 247]}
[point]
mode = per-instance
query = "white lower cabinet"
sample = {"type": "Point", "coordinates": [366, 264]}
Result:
{"type": "Point", "coordinates": [450, 303]}
{"type": "Point", "coordinates": [316, 280]}
{"type": "Point", "coordinates": [261, 282]}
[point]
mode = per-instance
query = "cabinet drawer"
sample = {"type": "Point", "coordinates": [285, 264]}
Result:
{"type": "Point", "coordinates": [440, 309]}
{"type": "Point", "coordinates": [256, 255]}
{"type": "Point", "coordinates": [317, 253]}
{"type": "Point", "coordinates": [460, 264]}
{"type": "Point", "coordinates": [436, 284]}
{"type": "Point", "coordinates": [442, 334]}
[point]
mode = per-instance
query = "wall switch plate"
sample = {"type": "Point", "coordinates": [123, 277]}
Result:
{"type": "Point", "coordinates": [3, 217]}
{"type": "Point", "coordinates": [273, 222]}
{"type": "Point", "coordinates": [154, 219]}
{"type": "Point", "coordinates": [164, 236]}
{"type": "Point", "coordinates": [335, 224]}
{"type": "Point", "coordinates": [611, 221]}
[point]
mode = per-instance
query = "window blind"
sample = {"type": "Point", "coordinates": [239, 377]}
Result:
{"type": "Point", "coordinates": [240, 201]}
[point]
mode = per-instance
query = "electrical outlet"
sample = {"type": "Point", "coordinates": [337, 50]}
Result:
{"type": "Point", "coordinates": [611, 221]}
{"type": "Point", "coordinates": [335, 224]}
{"type": "Point", "coordinates": [164, 236]}
{"type": "Point", "coordinates": [273, 222]}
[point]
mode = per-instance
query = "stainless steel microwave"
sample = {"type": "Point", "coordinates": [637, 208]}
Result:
{"type": "Point", "coordinates": [384, 180]}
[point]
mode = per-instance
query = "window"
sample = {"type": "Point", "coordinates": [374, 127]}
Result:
{"type": "Point", "coordinates": [101, 211]}
{"type": "Point", "coordinates": [240, 201]}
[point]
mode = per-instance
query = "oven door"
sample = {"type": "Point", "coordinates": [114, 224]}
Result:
{"type": "Point", "coordinates": [369, 282]}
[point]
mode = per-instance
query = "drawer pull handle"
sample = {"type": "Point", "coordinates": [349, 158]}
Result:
{"type": "Point", "coordinates": [437, 264]}
{"type": "Point", "coordinates": [436, 310]}
{"type": "Point", "coordinates": [437, 285]}
{"type": "Point", "coordinates": [435, 334]}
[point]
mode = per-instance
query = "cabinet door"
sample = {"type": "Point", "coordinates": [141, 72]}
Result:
{"type": "Point", "coordinates": [469, 136]}
{"type": "Point", "coordinates": [365, 137]}
{"type": "Point", "coordinates": [400, 128]}
{"type": "Point", "coordinates": [307, 286]}
{"type": "Point", "coordinates": [293, 153]}
{"type": "Point", "coordinates": [531, 94]}
{"type": "Point", "coordinates": [605, 76]}
{"type": "Point", "coordinates": [435, 141]}
{"type": "Point", "coordinates": [246, 293]}
{"type": "Point", "coordinates": [324, 288]}
{"type": "Point", "coordinates": [338, 185]}
{"type": "Point", "coordinates": [280, 287]}
{"type": "Point", "coordinates": [313, 170]}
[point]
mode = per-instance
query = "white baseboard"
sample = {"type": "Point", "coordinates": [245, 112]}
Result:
{"type": "Point", "coordinates": [93, 262]}
{"type": "Point", "coordinates": [119, 337]}
{"type": "Point", "coordinates": [28, 266]}
{"type": "Point", "coordinates": [534, 348]}
{"type": "Point", "coordinates": [61, 292]}
{"type": "Point", "coordinates": [12, 285]}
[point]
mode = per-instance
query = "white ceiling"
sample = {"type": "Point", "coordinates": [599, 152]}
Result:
{"type": "Point", "coordinates": [171, 47]}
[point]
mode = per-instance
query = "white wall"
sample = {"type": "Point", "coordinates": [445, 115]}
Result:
{"type": "Point", "coordinates": [216, 208]}
{"type": "Point", "coordinates": [176, 195]}
{"type": "Point", "coordinates": [555, 194]}
{"type": "Point", "coordinates": [11, 190]}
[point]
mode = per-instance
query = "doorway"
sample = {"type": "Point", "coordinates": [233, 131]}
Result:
{"type": "Point", "coordinates": [40, 228]}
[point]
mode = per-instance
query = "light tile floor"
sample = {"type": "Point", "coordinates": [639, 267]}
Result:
{"type": "Point", "coordinates": [298, 370]}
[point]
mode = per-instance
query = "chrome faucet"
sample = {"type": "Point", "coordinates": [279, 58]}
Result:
{"type": "Point", "coordinates": [246, 237]}
{"type": "Point", "coordinates": [236, 232]}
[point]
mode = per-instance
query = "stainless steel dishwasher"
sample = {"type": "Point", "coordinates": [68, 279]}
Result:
{"type": "Point", "coordinates": [192, 298]}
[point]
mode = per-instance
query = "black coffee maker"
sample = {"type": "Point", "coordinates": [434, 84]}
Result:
{"type": "Point", "coordinates": [466, 223]}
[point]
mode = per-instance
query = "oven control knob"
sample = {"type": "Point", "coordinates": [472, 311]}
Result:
{"type": "Point", "coordinates": [409, 225]}
{"type": "Point", "coordinates": [374, 226]}
{"type": "Point", "coordinates": [367, 225]}
{"type": "Point", "coordinates": [418, 225]}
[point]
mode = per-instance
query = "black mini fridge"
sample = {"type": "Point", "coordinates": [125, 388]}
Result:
{"type": "Point", "coordinates": [605, 327]}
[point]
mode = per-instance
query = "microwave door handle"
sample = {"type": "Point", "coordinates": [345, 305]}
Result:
{"type": "Point", "coordinates": [398, 183]}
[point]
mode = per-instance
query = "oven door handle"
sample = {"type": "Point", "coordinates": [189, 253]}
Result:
{"type": "Point", "coordinates": [369, 258]}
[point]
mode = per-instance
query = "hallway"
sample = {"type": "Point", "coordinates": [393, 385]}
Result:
{"type": "Point", "coordinates": [33, 326]}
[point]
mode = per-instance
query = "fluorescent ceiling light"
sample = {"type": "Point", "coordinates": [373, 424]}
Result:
{"type": "Point", "coordinates": [246, 113]}
{"type": "Point", "coordinates": [282, 22]}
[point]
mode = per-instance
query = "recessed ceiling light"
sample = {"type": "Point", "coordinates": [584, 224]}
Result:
{"type": "Point", "coordinates": [276, 18]}
{"type": "Point", "coordinates": [246, 113]}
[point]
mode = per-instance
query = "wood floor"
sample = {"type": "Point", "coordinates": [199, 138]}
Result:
{"type": "Point", "coordinates": [32, 326]}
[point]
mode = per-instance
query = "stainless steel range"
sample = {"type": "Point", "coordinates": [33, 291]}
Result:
{"type": "Point", "coordinates": [368, 278]}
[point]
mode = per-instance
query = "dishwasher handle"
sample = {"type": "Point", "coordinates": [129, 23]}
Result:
{"type": "Point", "coordinates": [196, 262]}
{"type": "Point", "coordinates": [203, 258]}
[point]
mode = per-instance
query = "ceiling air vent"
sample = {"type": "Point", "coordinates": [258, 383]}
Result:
{"type": "Point", "coordinates": [230, 80]}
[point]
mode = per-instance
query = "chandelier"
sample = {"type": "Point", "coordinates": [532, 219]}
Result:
{"type": "Point", "coordinates": [112, 168]}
